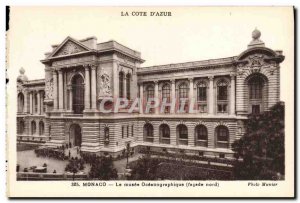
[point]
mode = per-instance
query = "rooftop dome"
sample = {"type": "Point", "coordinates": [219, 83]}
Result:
{"type": "Point", "coordinates": [22, 77]}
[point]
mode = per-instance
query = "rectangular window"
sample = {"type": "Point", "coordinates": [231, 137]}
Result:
{"type": "Point", "coordinates": [222, 108]}
{"type": "Point", "coordinates": [255, 109]}
{"type": "Point", "coordinates": [201, 93]}
{"type": "Point", "coordinates": [167, 109]}
{"type": "Point", "coordinates": [122, 131]}
{"type": "Point", "coordinates": [127, 131]}
{"type": "Point", "coordinates": [222, 93]}
{"type": "Point", "coordinates": [202, 108]}
{"type": "Point", "coordinates": [132, 131]}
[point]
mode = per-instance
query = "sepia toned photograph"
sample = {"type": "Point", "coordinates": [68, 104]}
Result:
{"type": "Point", "coordinates": [127, 97]}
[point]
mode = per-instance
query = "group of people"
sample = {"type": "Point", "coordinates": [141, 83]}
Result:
{"type": "Point", "coordinates": [50, 152]}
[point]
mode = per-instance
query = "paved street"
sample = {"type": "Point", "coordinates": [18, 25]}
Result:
{"type": "Point", "coordinates": [27, 158]}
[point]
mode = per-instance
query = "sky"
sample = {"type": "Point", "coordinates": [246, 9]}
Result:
{"type": "Point", "coordinates": [190, 34]}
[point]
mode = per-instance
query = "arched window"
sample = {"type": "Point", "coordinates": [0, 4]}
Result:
{"type": "Point", "coordinates": [20, 102]}
{"type": "Point", "coordinates": [182, 135]}
{"type": "Point", "coordinates": [33, 127]}
{"type": "Point", "coordinates": [148, 132]}
{"type": "Point", "coordinates": [166, 90]}
{"type": "Point", "coordinates": [256, 88]}
{"type": "Point", "coordinates": [222, 96]}
{"type": "Point", "coordinates": [78, 94]}
{"type": "Point", "coordinates": [222, 137]}
{"type": "Point", "coordinates": [183, 91]}
{"type": "Point", "coordinates": [21, 127]}
{"type": "Point", "coordinates": [41, 128]}
{"type": "Point", "coordinates": [128, 80]}
{"type": "Point", "coordinates": [121, 85]}
{"type": "Point", "coordinates": [164, 134]}
{"type": "Point", "coordinates": [201, 135]}
{"type": "Point", "coordinates": [202, 97]}
{"type": "Point", "coordinates": [150, 92]}
{"type": "Point", "coordinates": [106, 136]}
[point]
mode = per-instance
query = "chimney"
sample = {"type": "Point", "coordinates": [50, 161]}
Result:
{"type": "Point", "coordinates": [90, 42]}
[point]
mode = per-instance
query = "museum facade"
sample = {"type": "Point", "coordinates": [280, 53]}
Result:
{"type": "Point", "coordinates": [211, 98]}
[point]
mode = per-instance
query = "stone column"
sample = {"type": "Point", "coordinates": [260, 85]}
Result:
{"type": "Point", "coordinates": [87, 89]}
{"type": "Point", "coordinates": [25, 103]}
{"type": "Point", "coordinates": [173, 94]}
{"type": "Point", "coordinates": [124, 87]}
{"type": "Point", "coordinates": [38, 103]}
{"type": "Point", "coordinates": [55, 102]}
{"type": "Point", "coordinates": [42, 103]}
{"type": "Point", "coordinates": [30, 102]}
{"type": "Point", "coordinates": [211, 95]}
{"type": "Point", "coordinates": [156, 95]}
{"type": "Point", "coordinates": [141, 97]}
{"type": "Point", "coordinates": [93, 88]}
{"type": "Point", "coordinates": [232, 95]}
{"type": "Point", "coordinates": [191, 91]}
{"type": "Point", "coordinates": [60, 90]}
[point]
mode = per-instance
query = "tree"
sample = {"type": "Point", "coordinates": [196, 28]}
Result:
{"type": "Point", "coordinates": [103, 169]}
{"type": "Point", "coordinates": [262, 146]}
{"type": "Point", "coordinates": [145, 168]}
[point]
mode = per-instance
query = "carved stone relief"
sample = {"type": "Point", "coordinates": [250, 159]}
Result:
{"type": "Point", "coordinates": [70, 48]}
{"type": "Point", "coordinates": [104, 83]}
{"type": "Point", "coordinates": [49, 88]}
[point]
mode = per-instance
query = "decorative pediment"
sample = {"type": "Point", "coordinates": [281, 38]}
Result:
{"type": "Point", "coordinates": [69, 46]}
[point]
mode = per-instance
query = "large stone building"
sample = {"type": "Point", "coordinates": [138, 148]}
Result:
{"type": "Point", "coordinates": [64, 108]}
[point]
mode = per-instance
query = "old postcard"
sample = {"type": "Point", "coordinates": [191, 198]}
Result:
{"type": "Point", "coordinates": [150, 102]}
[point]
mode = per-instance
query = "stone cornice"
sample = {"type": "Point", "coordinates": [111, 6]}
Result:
{"type": "Point", "coordinates": [34, 82]}
{"type": "Point", "coordinates": [187, 66]}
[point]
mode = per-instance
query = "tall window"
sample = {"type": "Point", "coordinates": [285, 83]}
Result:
{"type": "Point", "coordinates": [255, 87]}
{"type": "Point", "coordinates": [41, 128]}
{"type": "Point", "coordinates": [150, 92]}
{"type": "Point", "coordinates": [201, 135]}
{"type": "Point", "coordinates": [164, 132]}
{"type": "Point", "coordinates": [222, 137]}
{"type": "Point", "coordinates": [106, 136]}
{"type": "Point", "coordinates": [132, 131]}
{"type": "Point", "coordinates": [183, 91]}
{"type": "Point", "coordinates": [78, 94]}
{"type": "Point", "coordinates": [128, 79]}
{"type": "Point", "coordinates": [121, 85]}
{"type": "Point", "coordinates": [166, 92]}
{"type": "Point", "coordinates": [148, 132]}
{"type": "Point", "coordinates": [166, 96]}
{"type": "Point", "coordinates": [127, 131]}
{"type": "Point", "coordinates": [222, 96]}
{"type": "Point", "coordinates": [20, 102]}
{"type": "Point", "coordinates": [21, 127]}
{"type": "Point", "coordinates": [122, 131]}
{"type": "Point", "coordinates": [202, 97]}
{"type": "Point", "coordinates": [33, 127]}
{"type": "Point", "coordinates": [182, 134]}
